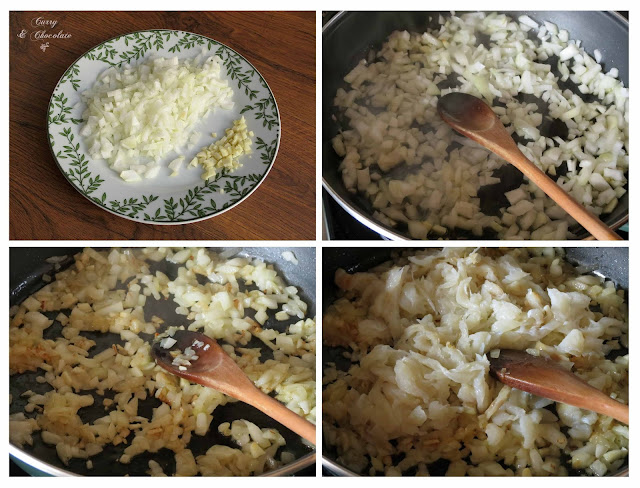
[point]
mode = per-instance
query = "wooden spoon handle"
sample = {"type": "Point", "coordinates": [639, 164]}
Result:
{"type": "Point", "coordinates": [591, 399]}
{"type": "Point", "coordinates": [559, 385]}
{"type": "Point", "coordinates": [276, 410]}
{"type": "Point", "coordinates": [611, 408]}
{"type": "Point", "coordinates": [571, 390]}
{"type": "Point", "coordinates": [589, 221]}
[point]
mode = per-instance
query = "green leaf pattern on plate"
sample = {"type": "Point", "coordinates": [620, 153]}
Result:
{"type": "Point", "coordinates": [131, 206]}
{"type": "Point", "coordinates": [202, 200]}
{"type": "Point", "coordinates": [233, 62]}
{"type": "Point", "coordinates": [59, 105]}
{"type": "Point", "coordinates": [72, 77]}
{"type": "Point", "coordinates": [268, 150]}
{"type": "Point", "coordinates": [189, 41]}
{"type": "Point", "coordinates": [79, 167]}
{"type": "Point", "coordinates": [104, 52]}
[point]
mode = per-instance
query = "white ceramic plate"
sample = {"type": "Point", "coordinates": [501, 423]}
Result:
{"type": "Point", "coordinates": [165, 199]}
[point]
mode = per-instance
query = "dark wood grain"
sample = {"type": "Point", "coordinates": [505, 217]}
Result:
{"type": "Point", "coordinates": [281, 45]}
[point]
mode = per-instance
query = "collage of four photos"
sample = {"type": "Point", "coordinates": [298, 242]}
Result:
{"type": "Point", "coordinates": [195, 197]}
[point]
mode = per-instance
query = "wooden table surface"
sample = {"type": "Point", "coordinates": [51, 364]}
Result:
{"type": "Point", "coordinates": [281, 45]}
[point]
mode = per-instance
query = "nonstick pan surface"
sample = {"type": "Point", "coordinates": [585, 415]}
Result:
{"type": "Point", "coordinates": [610, 262]}
{"type": "Point", "coordinates": [349, 36]}
{"type": "Point", "coordinates": [28, 265]}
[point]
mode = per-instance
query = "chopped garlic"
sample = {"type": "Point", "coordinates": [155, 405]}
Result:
{"type": "Point", "coordinates": [224, 153]}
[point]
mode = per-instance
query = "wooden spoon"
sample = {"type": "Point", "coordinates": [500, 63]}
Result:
{"type": "Point", "coordinates": [546, 378]}
{"type": "Point", "coordinates": [473, 118]}
{"type": "Point", "coordinates": [214, 368]}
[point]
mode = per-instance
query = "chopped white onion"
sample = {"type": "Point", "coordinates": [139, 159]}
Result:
{"type": "Point", "coordinates": [136, 115]}
{"type": "Point", "coordinates": [397, 152]}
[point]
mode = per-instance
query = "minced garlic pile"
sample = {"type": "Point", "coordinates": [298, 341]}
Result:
{"type": "Point", "coordinates": [224, 154]}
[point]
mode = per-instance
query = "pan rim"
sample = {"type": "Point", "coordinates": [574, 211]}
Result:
{"type": "Point", "coordinates": [395, 236]}
{"type": "Point", "coordinates": [49, 469]}
{"type": "Point", "coordinates": [341, 13]}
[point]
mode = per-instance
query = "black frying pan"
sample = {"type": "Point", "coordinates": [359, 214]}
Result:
{"type": "Point", "coordinates": [27, 265]}
{"type": "Point", "coordinates": [349, 36]}
{"type": "Point", "coordinates": [610, 262]}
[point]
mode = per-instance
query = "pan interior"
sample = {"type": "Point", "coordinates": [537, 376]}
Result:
{"type": "Point", "coordinates": [352, 36]}
{"type": "Point", "coordinates": [609, 262]}
{"type": "Point", "coordinates": [28, 265]}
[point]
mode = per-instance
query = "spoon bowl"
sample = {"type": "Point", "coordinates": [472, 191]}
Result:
{"type": "Point", "coordinates": [207, 360]}
{"type": "Point", "coordinates": [467, 112]}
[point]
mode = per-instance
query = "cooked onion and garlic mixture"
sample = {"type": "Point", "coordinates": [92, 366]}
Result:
{"type": "Point", "coordinates": [418, 331]}
{"type": "Point", "coordinates": [137, 115]}
{"type": "Point", "coordinates": [423, 178]}
{"type": "Point", "coordinates": [113, 295]}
